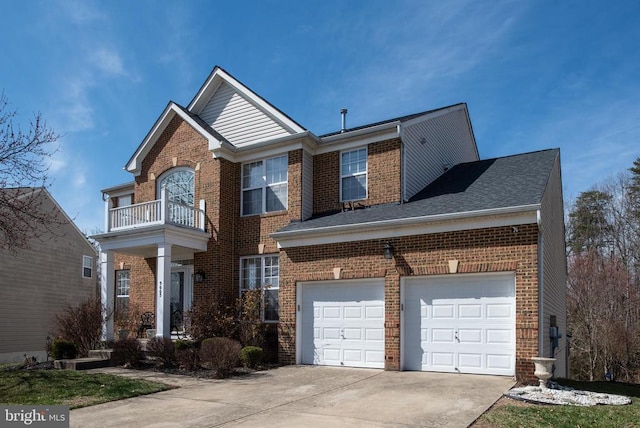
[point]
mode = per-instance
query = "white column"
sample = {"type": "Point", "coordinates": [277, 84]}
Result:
{"type": "Point", "coordinates": [107, 284]}
{"type": "Point", "coordinates": [164, 206]}
{"type": "Point", "coordinates": [202, 225]}
{"type": "Point", "coordinates": [163, 291]}
{"type": "Point", "coordinates": [108, 204]}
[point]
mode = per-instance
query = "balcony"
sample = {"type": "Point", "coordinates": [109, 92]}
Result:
{"type": "Point", "coordinates": [140, 229]}
{"type": "Point", "coordinates": [160, 211]}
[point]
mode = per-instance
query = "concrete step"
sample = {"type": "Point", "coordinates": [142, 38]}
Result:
{"type": "Point", "coordinates": [82, 363]}
{"type": "Point", "coordinates": [105, 354]}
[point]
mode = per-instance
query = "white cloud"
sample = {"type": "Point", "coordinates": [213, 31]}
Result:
{"type": "Point", "coordinates": [108, 61]}
{"type": "Point", "coordinates": [76, 108]}
{"type": "Point", "coordinates": [81, 12]}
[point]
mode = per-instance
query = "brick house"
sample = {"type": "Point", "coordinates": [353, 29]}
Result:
{"type": "Point", "coordinates": [389, 245]}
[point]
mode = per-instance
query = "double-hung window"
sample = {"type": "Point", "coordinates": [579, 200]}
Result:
{"type": "Point", "coordinates": [122, 291]}
{"type": "Point", "coordinates": [353, 175]}
{"type": "Point", "coordinates": [264, 186]}
{"type": "Point", "coordinates": [262, 273]}
{"type": "Point", "coordinates": [87, 266]}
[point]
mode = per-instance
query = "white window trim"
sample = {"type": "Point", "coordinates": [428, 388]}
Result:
{"type": "Point", "coordinates": [117, 285]}
{"type": "Point", "coordinates": [262, 257]}
{"type": "Point", "coordinates": [366, 174]}
{"type": "Point", "coordinates": [90, 266]}
{"type": "Point", "coordinates": [263, 187]}
{"type": "Point", "coordinates": [171, 171]}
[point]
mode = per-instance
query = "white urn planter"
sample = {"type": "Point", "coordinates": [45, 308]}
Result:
{"type": "Point", "coordinates": [543, 369]}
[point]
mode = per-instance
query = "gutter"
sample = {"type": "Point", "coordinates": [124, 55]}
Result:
{"type": "Point", "coordinates": [404, 222]}
{"type": "Point", "coordinates": [359, 132]}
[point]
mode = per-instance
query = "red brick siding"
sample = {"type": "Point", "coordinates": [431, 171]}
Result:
{"type": "Point", "coordinates": [485, 250]}
{"type": "Point", "coordinates": [384, 177]}
{"type": "Point", "coordinates": [217, 181]}
{"type": "Point", "coordinates": [142, 280]}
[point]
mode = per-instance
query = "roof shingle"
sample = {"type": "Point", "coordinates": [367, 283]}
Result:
{"type": "Point", "coordinates": [510, 181]}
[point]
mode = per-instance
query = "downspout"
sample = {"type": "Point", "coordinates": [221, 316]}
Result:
{"type": "Point", "coordinates": [540, 285]}
{"type": "Point", "coordinates": [403, 167]}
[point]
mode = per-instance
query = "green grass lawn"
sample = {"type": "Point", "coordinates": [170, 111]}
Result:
{"type": "Point", "coordinates": [537, 415]}
{"type": "Point", "coordinates": [69, 388]}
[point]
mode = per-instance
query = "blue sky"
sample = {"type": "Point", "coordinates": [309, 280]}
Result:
{"type": "Point", "coordinates": [535, 74]}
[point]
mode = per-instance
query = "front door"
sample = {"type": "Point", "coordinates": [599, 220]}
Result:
{"type": "Point", "coordinates": [177, 300]}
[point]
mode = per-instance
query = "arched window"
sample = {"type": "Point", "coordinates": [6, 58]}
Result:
{"type": "Point", "coordinates": [179, 183]}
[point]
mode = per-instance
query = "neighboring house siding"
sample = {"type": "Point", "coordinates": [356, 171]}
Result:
{"type": "Point", "coordinates": [433, 143]}
{"type": "Point", "coordinates": [497, 249]}
{"type": "Point", "coordinates": [237, 119]}
{"type": "Point", "coordinates": [383, 177]}
{"type": "Point", "coordinates": [36, 285]}
{"type": "Point", "coordinates": [554, 269]}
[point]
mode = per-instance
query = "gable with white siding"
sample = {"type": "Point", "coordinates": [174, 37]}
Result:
{"type": "Point", "coordinates": [433, 142]}
{"type": "Point", "coordinates": [238, 120]}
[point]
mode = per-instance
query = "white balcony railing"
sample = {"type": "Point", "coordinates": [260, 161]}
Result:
{"type": "Point", "coordinates": [160, 211]}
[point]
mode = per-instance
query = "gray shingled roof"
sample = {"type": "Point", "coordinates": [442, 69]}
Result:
{"type": "Point", "coordinates": [511, 181]}
{"type": "Point", "coordinates": [398, 119]}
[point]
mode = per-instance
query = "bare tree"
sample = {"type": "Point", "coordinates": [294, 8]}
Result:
{"type": "Point", "coordinates": [603, 295]}
{"type": "Point", "coordinates": [24, 166]}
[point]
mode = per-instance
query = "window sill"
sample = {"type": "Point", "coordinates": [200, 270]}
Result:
{"type": "Point", "coordinates": [266, 215]}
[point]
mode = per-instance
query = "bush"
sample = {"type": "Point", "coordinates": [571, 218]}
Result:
{"type": "Point", "coordinates": [251, 329]}
{"type": "Point", "coordinates": [128, 350]}
{"type": "Point", "coordinates": [63, 349]}
{"type": "Point", "coordinates": [81, 325]}
{"type": "Point", "coordinates": [220, 354]}
{"type": "Point", "coordinates": [163, 350]}
{"type": "Point", "coordinates": [211, 319]}
{"type": "Point", "coordinates": [187, 355]}
{"type": "Point", "coordinates": [251, 356]}
{"type": "Point", "coordinates": [182, 344]}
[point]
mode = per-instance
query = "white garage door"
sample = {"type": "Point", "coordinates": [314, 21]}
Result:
{"type": "Point", "coordinates": [342, 323]}
{"type": "Point", "coordinates": [461, 324]}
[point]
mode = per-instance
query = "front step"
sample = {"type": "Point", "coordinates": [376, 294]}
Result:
{"type": "Point", "coordinates": [82, 363]}
{"type": "Point", "coordinates": [98, 358]}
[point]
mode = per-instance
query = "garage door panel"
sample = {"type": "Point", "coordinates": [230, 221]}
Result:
{"type": "Point", "coordinates": [499, 311]}
{"type": "Point", "coordinates": [374, 334]}
{"type": "Point", "coordinates": [460, 324]}
{"type": "Point", "coordinates": [353, 312]}
{"type": "Point", "coordinates": [471, 361]}
{"type": "Point", "coordinates": [330, 356]}
{"type": "Point", "coordinates": [330, 333]}
{"type": "Point", "coordinates": [374, 312]}
{"type": "Point", "coordinates": [331, 312]}
{"type": "Point", "coordinates": [499, 361]}
{"type": "Point", "coordinates": [350, 318]}
{"type": "Point", "coordinates": [467, 335]}
{"type": "Point", "coordinates": [470, 311]}
{"type": "Point", "coordinates": [498, 336]}
{"type": "Point", "coordinates": [352, 356]}
{"type": "Point", "coordinates": [352, 333]}
{"type": "Point", "coordinates": [374, 357]}
{"type": "Point", "coordinates": [442, 335]}
{"type": "Point", "coordinates": [443, 311]}
{"type": "Point", "coordinates": [444, 360]}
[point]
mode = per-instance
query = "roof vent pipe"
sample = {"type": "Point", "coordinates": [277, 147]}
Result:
{"type": "Point", "coordinates": [343, 112]}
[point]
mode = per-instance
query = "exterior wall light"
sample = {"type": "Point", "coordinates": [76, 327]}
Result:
{"type": "Point", "coordinates": [387, 250]}
{"type": "Point", "coordinates": [199, 276]}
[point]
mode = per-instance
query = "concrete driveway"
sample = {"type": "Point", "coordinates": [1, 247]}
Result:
{"type": "Point", "coordinates": [303, 396]}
